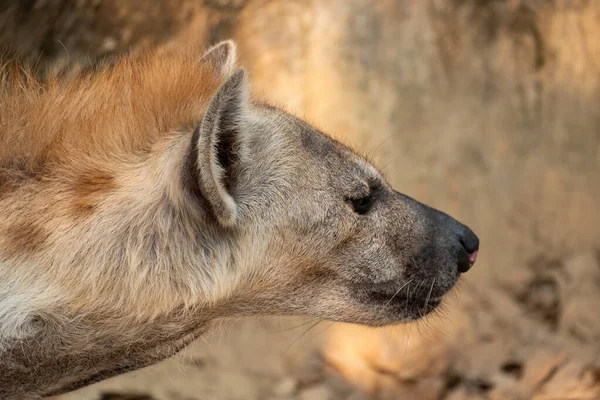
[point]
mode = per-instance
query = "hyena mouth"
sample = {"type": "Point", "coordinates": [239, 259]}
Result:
{"type": "Point", "coordinates": [407, 302]}
{"type": "Point", "coordinates": [406, 306]}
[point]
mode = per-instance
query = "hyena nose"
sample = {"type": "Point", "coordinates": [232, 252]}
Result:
{"type": "Point", "coordinates": [456, 239]}
{"type": "Point", "coordinates": [468, 244]}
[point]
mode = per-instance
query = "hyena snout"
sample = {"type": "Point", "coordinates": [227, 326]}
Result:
{"type": "Point", "coordinates": [456, 239]}
{"type": "Point", "coordinates": [432, 251]}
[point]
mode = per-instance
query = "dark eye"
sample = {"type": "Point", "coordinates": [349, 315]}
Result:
{"type": "Point", "coordinates": [361, 205]}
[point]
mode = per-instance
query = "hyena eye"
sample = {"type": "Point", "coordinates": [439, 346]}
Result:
{"type": "Point", "coordinates": [361, 205]}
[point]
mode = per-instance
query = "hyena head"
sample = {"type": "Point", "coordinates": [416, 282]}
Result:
{"type": "Point", "coordinates": [140, 203]}
{"type": "Point", "coordinates": [320, 230]}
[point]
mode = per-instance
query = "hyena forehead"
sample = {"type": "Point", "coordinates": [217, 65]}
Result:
{"type": "Point", "coordinates": [323, 150]}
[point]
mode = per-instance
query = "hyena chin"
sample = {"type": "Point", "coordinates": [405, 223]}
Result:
{"type": "Point", "coordinates": [149, 198]}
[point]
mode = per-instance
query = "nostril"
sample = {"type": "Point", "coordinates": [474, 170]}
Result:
{"type": "Point", "coordinates": [473, 256]}
{"type": "Point", "coordinates": [470, 243]}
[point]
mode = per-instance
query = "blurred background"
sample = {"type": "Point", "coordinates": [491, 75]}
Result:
{"type": "Point", "coordinates": [486, 109]}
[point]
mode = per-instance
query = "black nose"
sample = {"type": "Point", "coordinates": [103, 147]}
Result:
{"type": "Point", "coordinates": [457, 240]}
{"type": "Point", "coordinates": [469, 247]}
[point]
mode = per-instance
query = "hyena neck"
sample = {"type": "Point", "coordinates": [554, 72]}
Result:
{"type": "Point", "coordinates": [58, 359]}
{"type": "Point", "coordinates": [141, 227]}
{"type": "Point", "coordinates": [153, 241]}
{"type": "Point", "coordinates": [163, 244]}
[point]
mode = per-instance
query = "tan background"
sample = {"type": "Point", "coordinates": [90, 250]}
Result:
{"type": "Point", "coordinates": [489, 110]}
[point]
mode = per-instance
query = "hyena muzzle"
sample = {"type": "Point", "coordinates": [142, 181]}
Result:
{"type": "Point", "coordinates": [141, 202]}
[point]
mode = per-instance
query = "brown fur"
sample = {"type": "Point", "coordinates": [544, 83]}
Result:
{"type": "Point", "coordinates": [25, 237]}
{"type": "Point", "coordinates": [90, 188]}
{"type": "Point", "coordinates": [82, 120]}
{"type": "Point", "coordinates": [146, 96]}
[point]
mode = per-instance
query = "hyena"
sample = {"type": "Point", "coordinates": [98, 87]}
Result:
{"type": "Point", "coordinates": [142, 201]}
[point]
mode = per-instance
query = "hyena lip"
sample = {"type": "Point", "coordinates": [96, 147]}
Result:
{"type": "Point", "coordinates": [406, 306]}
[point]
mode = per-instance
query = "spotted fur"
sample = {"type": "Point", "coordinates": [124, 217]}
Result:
{"type": "Point", "coordinates": [142, 201]}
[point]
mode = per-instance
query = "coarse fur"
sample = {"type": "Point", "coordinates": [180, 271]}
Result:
{"type": "Point", "coordinates": [142, 201]}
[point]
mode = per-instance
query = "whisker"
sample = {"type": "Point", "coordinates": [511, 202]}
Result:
{"type": "Point", "coordinates": [310, 321]}
{"type": "Point", "coordinates": [397, 291]}
{"type": "Point", "coordinates": [417, 290]}
{"type": "Point", "coordinates": [429, 295]}
{"type": "Point", "coordinates": [321, 331]}
{"type": "Point", "coordinates": [371, 155]}
{"type": "Point", "coordinates": [301, 336]}
{"type": "Point", "coordinates": [407, 298]}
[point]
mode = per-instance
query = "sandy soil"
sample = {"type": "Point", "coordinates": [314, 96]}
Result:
{"type": "Point", "coordinates": [485, 109]}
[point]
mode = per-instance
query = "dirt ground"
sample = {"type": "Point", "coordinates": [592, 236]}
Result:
{"type": "Point", "coordinates": [485, 109]}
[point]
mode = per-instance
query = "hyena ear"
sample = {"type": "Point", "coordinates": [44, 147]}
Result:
{"type": "Point", "coordinates": [222, 56]}
{"type": "Point", "coordinates": [221, 146]}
